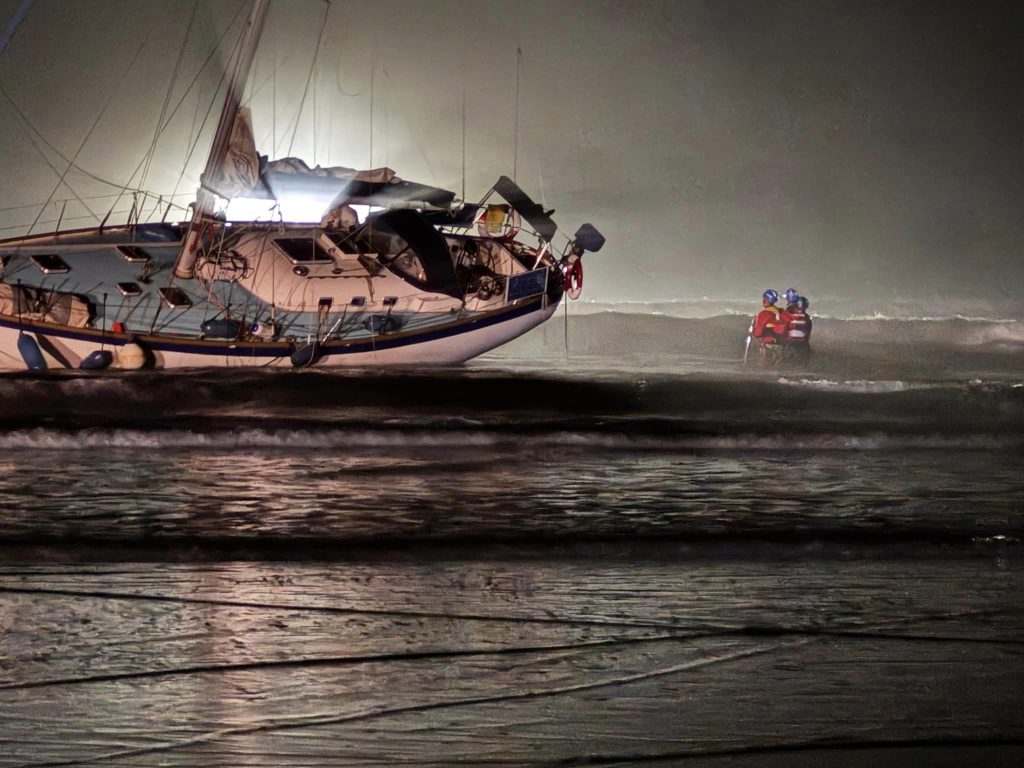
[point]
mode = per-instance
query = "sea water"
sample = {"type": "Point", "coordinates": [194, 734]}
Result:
{"type": "Point", "coordinates": [627, 550]}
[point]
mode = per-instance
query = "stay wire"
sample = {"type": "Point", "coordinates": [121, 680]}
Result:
{"type": "Point", "coordinates": [309, 77]}
{"type": "Point", "coordinates": [206, 117]}
{"type": "Point", "coordinates": [123, 187]}
{"type": "Point", "coordinates": [167, 97]}
{"type": "Point", "coordinates": [92, 128]}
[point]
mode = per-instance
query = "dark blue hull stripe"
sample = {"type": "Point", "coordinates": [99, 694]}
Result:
{"type": "Point", "coordinates": [276, 349]}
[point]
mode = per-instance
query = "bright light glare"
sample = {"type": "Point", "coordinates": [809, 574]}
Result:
{"type": "Point", "coordinates": [293, 208]}
{"type": "Point", "coordinates": [250, 209]}
{"type": "Point", "coordinates": [299, 209]}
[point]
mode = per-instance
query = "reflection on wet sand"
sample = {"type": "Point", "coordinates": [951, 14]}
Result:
{"type": "Point", "coordinates": [531, 659]}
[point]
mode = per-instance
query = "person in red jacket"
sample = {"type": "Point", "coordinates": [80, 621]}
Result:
{"type": "Point", "coordinates": [771, 322]}
{"type": "Point", "coordinates": [769, 328]}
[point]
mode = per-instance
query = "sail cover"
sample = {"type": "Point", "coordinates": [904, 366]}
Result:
{"type": "Point", "coordinates": [238, 170]}
{"type": "Point", "coordinates": [339, 185]}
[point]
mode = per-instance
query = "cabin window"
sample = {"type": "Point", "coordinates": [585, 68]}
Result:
{"type": "Point", "coordinates": [128, 290]}
{"type": "Point", "coordinates": [409, 265]}
{"type": "Point", "coordinates": [358, 301]}
{"type": "Point", "coordinates": [133, 254]}
{"type": "Point", "coordinates": [50, 263]}
{"type": "Point", "coordinates": [303, 250]}
{"type": "Point", "coordinates": [346, 241]}
{"type": "Point", "coordinates": [175, 298]}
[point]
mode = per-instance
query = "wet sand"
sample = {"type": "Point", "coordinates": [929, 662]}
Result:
{"type": "Point", "coordinates": [617, 655]}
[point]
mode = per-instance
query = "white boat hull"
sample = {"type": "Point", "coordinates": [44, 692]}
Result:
{"type": "Point", "coordinates": [67, 348]}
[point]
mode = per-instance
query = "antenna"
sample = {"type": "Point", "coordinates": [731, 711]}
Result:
{"type": "Point", "coordinates": [373, 40]}
{"type": "Point", "coordinates": [463, 138]}
{"type": "Point", "coordinates": [515, 145]}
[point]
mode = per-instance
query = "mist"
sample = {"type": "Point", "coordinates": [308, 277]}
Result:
{"type": "Point", "coordinates": [865, 153]}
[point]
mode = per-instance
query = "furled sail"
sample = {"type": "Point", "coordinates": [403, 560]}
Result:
{"type": "Point", "coordinates": [239, 168]}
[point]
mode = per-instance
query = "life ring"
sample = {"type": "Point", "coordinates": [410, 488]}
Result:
{"type": "Point", "coordinates": [572, 282]}
{"type": "Point", "coordinates": [498, 222]}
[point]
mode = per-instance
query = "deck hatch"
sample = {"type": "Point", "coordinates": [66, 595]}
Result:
{"type": "Point", "coordinates": [133, 254]}
{"type": "Point", "coordinates": [129, 290]}
{"type": "Point", "coordinates": [50, 263]}
{"type": "Point", "coordinates": [175, 298]}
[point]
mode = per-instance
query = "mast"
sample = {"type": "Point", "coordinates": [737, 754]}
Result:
{"type": "Point", "coordinates": [203, 208]}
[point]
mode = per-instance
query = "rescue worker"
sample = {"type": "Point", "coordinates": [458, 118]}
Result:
{"type": "Point", "coordinates": [804, 304]}
{"type": "Point", "coordinates": [769, 327]}
{"type": "Point", "coordinates": [798, 330]}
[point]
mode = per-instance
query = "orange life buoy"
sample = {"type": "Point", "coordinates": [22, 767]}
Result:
{"type": "Point", "coordinates": [572, 283]}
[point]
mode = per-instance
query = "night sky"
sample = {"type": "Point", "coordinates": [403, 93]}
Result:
{"type": "Point", "coordinates": [866, 150]}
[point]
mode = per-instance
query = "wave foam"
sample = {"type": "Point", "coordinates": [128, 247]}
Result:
{"type": "Point", "coordinates": [44, 439]}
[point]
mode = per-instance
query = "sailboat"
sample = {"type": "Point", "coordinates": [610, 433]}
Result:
{"type": "Point", "coordinates": [394, 273]}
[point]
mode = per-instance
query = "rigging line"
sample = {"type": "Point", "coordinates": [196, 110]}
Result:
{"type": "Point", "coordinates": [314, 122]}
{"type": "Point", "coordinates": [463, 136]}
{"type": "Point", "coordinates": [330, 129]}
{"type": "Point", "coordinates": [273, 103]}
{"type": "Point", "coordinates": [257, 89]}
{"type": "Point", "coordinates": [419, 144]}
{"type": "Point", "coordinates": [90, 174]}
{"type": "Point", "coordinates": [373, 69]}
{"type": "Point", "coordinates": [337, 79]}
{"type": "Point", "coordinates": [91, 215]}
{"type": "Point", "coordinates": [223, 76]}
{"type": "Point", "coordinates": [540, 180]}
{"type": "Point", "coordinates": [209, 109]}
{"type": "Point", "coordinates": [92, 128]}
{"type": "Point", "coordinates": [58, 200]}
{"type": "Point", "coordinates": [309, 77]}
{"type": "Point", "coordinates": [565, 316]}
{"type": "Point", "coordinates": [195, 122]}
{"type": "Point", "coordinates": [167, 97]}
{"type": "Point", "coordinates": [13, 24]}
{"type": "Point", "coordinates": [32, 132]}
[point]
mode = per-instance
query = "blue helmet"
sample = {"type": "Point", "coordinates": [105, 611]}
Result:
{"type": "Point", "coordinates": [803, 302]}
{"type": "Point", "coordinates": [791, 296]}
{"type": "Point", "coordinates": [770, 296]}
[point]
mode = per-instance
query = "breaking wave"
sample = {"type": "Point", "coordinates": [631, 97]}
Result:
{"type": "Point", "coordinates": [310, 439]}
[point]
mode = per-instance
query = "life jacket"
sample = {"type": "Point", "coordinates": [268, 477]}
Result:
{"type": "Point", "coordinates": [799, 328]}
{"type": "Point", "coordinates": [770, 324]}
